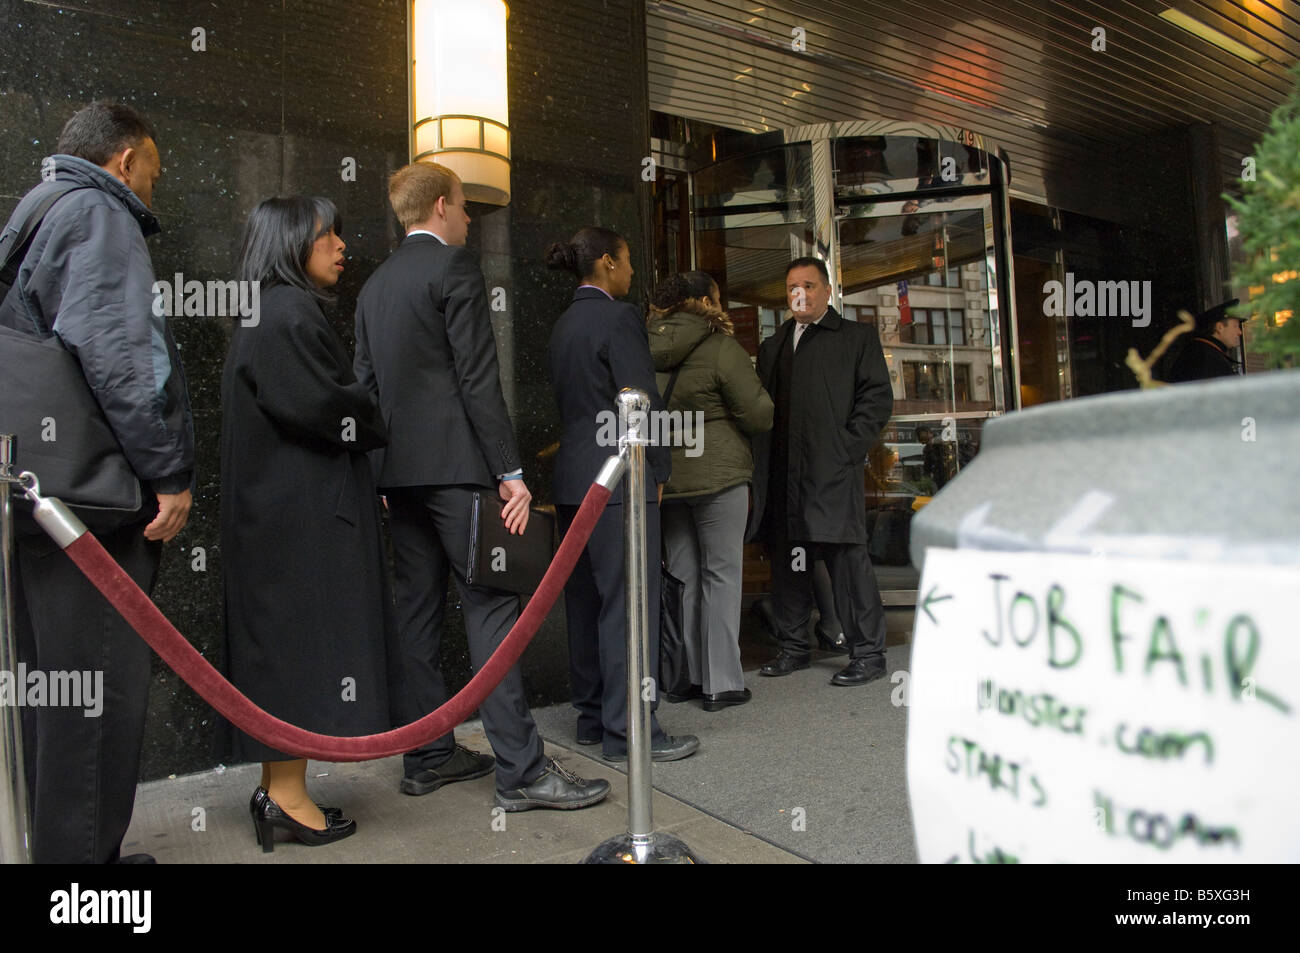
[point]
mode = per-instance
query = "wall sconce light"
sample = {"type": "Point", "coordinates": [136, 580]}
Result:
{"type": "Point", "coordinates": [459, 107]}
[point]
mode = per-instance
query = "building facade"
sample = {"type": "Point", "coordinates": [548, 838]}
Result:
{"type": "Point", "coordinates": [949, 160]}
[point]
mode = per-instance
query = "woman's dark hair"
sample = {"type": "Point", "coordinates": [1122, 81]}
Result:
{"type": "Point", "coordinates": [277, 241]}
{"type": "Point", "coordinates": [673, 291]}
{"type": "Point", "coordinates": [689, 291]}
{"type": "Point", "coordinates": [101, 130]}
{"type": "Point", "coordinates": [580, 253]}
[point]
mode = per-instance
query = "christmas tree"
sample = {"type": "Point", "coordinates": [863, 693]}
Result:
{"type": "Point", "coordinates": [1269, 222]}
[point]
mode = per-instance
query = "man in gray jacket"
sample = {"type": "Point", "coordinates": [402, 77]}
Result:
{"type": "Point", "coordinates": [88, 278]}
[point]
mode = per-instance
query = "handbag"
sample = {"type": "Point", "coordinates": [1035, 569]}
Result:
{"type": "Point", "coordinates": [62, 434]}
{"type": "Point", "coordinates": [674, 672]}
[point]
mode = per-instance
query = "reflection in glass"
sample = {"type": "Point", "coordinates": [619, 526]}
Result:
{"type": "Point", "coordinates": [914, 257]}
{"type": "Point", "coordinates": [917, 270]}
{"type": "Point", "coordinates": [752, 216]}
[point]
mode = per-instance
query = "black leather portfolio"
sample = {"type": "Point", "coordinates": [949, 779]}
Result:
{"type": "Point", "coordinates": [500, 560]}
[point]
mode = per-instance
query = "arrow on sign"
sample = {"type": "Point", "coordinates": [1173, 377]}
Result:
{"type": "Point", "coordinates": [1067, 533]}
{"type": "Point", "coordinates": [929, 598]}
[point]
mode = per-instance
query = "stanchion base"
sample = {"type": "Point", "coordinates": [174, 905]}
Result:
{"type": "Point", "coordinates": [656, 849]}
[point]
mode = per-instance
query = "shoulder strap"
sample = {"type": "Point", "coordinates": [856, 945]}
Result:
{"type": "Point", "coordinates": [672, 380]}
{"type": "Point", "coordinates": [16, 252]}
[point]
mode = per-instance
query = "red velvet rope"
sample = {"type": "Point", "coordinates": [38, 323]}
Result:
{"type": "Point", "coordinates": [136, 607]}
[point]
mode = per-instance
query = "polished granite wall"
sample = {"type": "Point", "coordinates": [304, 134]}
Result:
{"type": "Point", "coordinates": [282, 96]}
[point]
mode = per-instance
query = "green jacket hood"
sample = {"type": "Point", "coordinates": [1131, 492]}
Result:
{"type": "Point", "coordinates": [674, 336]}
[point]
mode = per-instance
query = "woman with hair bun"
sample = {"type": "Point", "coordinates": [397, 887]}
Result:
{"type": "Point", "coordinates": [704, 372]}
{"type": "Point", "coordinates": [597, 348]}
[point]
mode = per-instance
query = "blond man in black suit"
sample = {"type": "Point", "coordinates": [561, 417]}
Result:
{"type": "Point", "coordinates": [425, 348]}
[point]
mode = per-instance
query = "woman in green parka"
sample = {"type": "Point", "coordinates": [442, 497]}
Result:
{"type": "Point", "coordinates": [705, 374]}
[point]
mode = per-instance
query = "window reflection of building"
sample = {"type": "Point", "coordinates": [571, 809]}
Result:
{"type": "Point", "coordinates": [925, 380]}
{"type": "Point", "coordinates": [947, 280]}
{"type": "Point", "coordinates": [949, 332]}
{"type": "Point", "coordinates": [934, 326]}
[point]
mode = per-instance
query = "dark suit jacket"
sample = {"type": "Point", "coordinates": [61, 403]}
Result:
{"type": "Point", "coordinates": [840, 402]}
{"type": "Point", "coordinates": [425, 349]}
{"type": "Point", "coordinates": [597, 348]}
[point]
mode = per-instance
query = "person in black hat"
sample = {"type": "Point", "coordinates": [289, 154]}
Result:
{"type": "Point", "coordinates": [1210, 351]}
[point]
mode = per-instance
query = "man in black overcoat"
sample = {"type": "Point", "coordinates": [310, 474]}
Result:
{"type": "Point", "coordinates": [425, 348]}
{"type": "Point", "coordinates": [1209, 353]}
{"type": "Point", "coordinates": [829, 381]}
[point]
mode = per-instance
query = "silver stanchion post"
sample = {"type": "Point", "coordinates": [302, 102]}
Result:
{"type": "Point", "coordinates": [15, 825]}
{"type": "Point", "coordinates": [640, 845]}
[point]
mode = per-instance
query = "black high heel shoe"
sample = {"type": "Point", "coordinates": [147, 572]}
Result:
{"type": "Point", "coordinates": [330, 812]}
{"type": "Point", "coordinates": [269, 816]}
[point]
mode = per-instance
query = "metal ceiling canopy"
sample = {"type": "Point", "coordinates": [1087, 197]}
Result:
{"type": "Point", "coordinates": [1024, 73]}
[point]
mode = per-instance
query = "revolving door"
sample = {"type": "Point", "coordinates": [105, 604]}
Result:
{"type": "Point", "coordinates": [912, 223]}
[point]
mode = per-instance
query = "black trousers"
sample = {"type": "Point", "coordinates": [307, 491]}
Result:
{"type": "Point", "coordinates": [853, 583]}
{"type": "Point", "coordinates": [595, 605]}
{"type": "Point", "coordinates": [430, 530]}
{"type": "Point", "coordinates": [82, 771]}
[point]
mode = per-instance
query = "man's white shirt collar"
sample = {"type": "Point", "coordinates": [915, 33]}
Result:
{"type": "Point", "coordinates": [800, 327]}
{"type": "Point", "coordinates": [421, 231]}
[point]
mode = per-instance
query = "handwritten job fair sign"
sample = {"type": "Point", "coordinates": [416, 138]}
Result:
{"type": "Point", "coordinates": [1068, 708]}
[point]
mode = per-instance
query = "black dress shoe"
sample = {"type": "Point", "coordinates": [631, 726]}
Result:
{"type": "Point", "coordinates": [838, 645]}
{"type": "Point", "coordinates": [668, 748]}
{"type": "Point", "coordinates": [270, 816]}
{"type": "Point", "coordinates": [721, 700]}
{"type": "Point", "coordinates": [694, 691]}
{"type": "Point", "coordinates": [135, 859]}
{"type": "Point", "coordinates": [859, 672]}
{"type": "Point", "coordinates": [590, 739]}
{"type": "Point", "coordinates": [463, 765]}
{"type": "Point", "coordinates": [783, 664]}
{"type": "Point", "coordinates": [260, 793]}
{"type": "Point", "coordinates": [556, 788]}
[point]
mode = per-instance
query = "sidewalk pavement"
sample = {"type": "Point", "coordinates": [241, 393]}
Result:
{"type": "Point", "coordinates": [804, 771]}
{"type": "Point", "coordinates": [816, 769]}
{"type": "Point", "coordinates": [454, 824]}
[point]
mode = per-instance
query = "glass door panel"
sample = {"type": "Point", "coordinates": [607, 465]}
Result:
{"type": "Point", "coordinates": [752, 216]}
{"type": "Point", "coordinates": [920, 269]}
{"type": "Point", "coordinates": [906, 224]}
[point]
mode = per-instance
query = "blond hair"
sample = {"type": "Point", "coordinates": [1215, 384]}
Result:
{"type": "Point", "coordinates": [414, 190]}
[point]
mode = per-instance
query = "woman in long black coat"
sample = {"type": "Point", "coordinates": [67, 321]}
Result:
{"type": "Point", "coordinates": [308, 624]}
